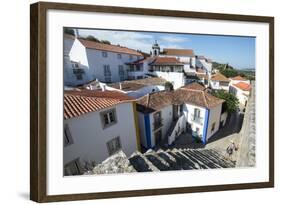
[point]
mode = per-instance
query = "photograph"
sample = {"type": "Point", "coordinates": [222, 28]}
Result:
{"type": "Point", "coordinates": [150, 101]}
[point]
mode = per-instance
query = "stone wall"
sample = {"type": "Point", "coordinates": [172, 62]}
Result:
{"type": "Point", "coordinates": [246, 156]}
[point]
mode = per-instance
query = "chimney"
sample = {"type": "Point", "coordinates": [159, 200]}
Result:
{"type": "Point", "coordinates": [120, 86]}
{"type": "Point", "coordinates": [147, 100]}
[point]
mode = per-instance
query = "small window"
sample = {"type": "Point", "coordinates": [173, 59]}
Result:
{"type": "Point", "coordinates": [113, 145]}
{"type": "Point", "coordinates": [79, 76]}
{"type": "Point", "coordinates": [213, 127]}
{"type": "Point", "coordinates": [67, 138]}
{"type": "Point", "coordinates": [104, 54]}
{"type": "Point", "coordinates": [119, 56]}
{"type": "Point", "coordinates": [196, 113]}
{"type": "Point", "coordinates": [73, 168]}
{"type": "Point", "coordinates": [108, 118]}
{"type": "Point", "coordinates": [131, 57]}
{"type": "Point", "coordinates": [106, 70]}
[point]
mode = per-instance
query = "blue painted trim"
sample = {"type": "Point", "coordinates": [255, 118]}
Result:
{"type": "Point", "coordinates": [147, 130]}
{"type": "Point", "coordinates": [206, 125]}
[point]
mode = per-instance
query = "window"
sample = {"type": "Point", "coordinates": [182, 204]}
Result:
{"type": "Point", "coordinates": [139, 77]}
{"type": "Point", "coordinates": [73, 168]}
{"type": "Point", "coordinates": [79, 76]}
{"type": "Point", "coordinates": [119, 56]}
{"type": "Point", "coordinates": [106, 70]}
{"type": "Point", "coordinates": [113, 145]}
{"type": "Point", "coordinates": [108, 118]}
{"type": "Point", "coordinates": [67, 138]}
{"type": "Point", "coordinates": [213, 127]}
{"type": "Point", "coordinates": [104, 54]}
{"type": "Point", "coordinates": [131, 57]}
{"type": "Point", "coordinates": [196, 113]}
{"type": "Point", "coordinates": [157, 120]}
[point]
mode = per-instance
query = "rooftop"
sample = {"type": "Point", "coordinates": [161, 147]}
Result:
{"type": "Point", "coordinates": [219, 77]}
{"type": "Point", "coordinates": [238, 77]}
{"type": "Point", "coordinates": [194, 94]}
{"type": "Point", "coordinates": [108, 47]}
{"type": "Point", "coordinates": [77, 103]}
{"type": "Point", "coordinates": [243, 86]}
{"type": "Point", "coordinates": [165, 61]}
{"type": "Point", "coordinates": [178, 52]}
{"type": "Point", "coordinates": [138, 84]}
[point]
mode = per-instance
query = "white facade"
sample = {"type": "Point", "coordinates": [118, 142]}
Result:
{"type": "Point", "coordinates": [176, 78]}
{"type": "Point", "coordinates": [214, 121]}
{"type": "Point", "coordinates": [241, 95]}
{"type": "Point", "coordinates": [204, 64]}
{"type": "Point", "coordinates": [218, 85]}
{"type": "Point", "coordinates": [93, 63]}
{"type": "Point", "coordinates": [90, 137]}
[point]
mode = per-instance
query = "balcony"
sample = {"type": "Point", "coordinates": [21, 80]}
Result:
{"type": "Point", "coordinates": [157, 123]}
{"type": "Point", "coordinates": [197, 119]}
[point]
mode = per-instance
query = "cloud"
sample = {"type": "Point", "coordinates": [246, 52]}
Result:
{"type": "Point", "coordinates": [172, 39]}
{"type": "Point", "coordinates": [136, 40]}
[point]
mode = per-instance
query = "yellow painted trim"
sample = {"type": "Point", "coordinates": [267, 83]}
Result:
{"type": "Point", "coordinates": [136, 126]}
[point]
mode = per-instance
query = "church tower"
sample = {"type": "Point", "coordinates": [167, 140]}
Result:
{"type": "Point", "coordinates": [155, 49]}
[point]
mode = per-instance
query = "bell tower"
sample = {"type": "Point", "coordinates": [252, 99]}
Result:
{"type": "Point", "coordinates": [155, 49]}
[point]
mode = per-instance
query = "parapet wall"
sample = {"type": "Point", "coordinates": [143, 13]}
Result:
{"type": "Point", "coordinates": [247, 148]}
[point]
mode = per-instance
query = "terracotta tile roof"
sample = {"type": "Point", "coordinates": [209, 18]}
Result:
{"type": "Point", "coordinates": [138, 84]}
{"type": "Point", "coordinates": [100, 94]}
{"type": "Point", "coordinates": [158, 100]}
{"type": "Point", "coordinates": [238, 77]}
{"type": "Point", "coordinates": [127, 86]}
{"type": "Point", "coordinates": [107, 47]}
{"type": "Point", "coordinates": [165, 61]}
{"type": "Point", "coordinates": [178, 52]}
{"type": "Point", "coordinates": [201, 76]}
{"type": "Point", "coordinates": [194, 86]}
{"type": "Point", "coordinates": [140, 61]}
{"type": "Point", "coordinates": [219, 77]}
{"type": "Point", "coordinates": [243, 86]}
{"type": "Point", "coordinates": [77, 103]}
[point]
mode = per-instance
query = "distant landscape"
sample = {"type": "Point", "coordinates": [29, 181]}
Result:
{"type": "Point", "coordinates": [229, 71]}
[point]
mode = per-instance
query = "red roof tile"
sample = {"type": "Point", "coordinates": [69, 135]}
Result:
{"type": "Point", "coordinates": [165, 61]}
{"type": "Point", "coordinates": [243, 86]}
{"type": "Point", "coordinates": [77, 103]}
{"type": "Point", "coordinates": [194, 86]}
{"type": "Point", "coordinates": [178, 52]}
{"type": "Point", "coordinates": [158, 100]}
{"type": "Point", "coordinates": [219, 77]}
{"type": "Point", "coordinates": [108, 47]}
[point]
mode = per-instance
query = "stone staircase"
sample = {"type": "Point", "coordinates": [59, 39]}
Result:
{"type": "Point", "coordinates": [178, 159]}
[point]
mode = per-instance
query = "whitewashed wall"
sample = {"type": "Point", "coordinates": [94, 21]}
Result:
{"type": "Point", "coordinates": [89, 137]}
{"type": "Point", "coordinates": [194, 125]}
{"type": "Point", "coordinates": [240, 94]}
{"type": "Point", "coordinates": [142, 129]}
{"type": "Point", "coordinates": [214, 117]}
{"type": "Point", "coordinates": [216, 85]}
{"type": "Point", "coordinates": [177, 79]}
{"type": "Point", "coordinates": [167, 115]}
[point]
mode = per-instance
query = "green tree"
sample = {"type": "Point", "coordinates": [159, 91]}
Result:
{"type": "Point", "coordinates": [169, 86]}
{"type": "Point", "coordinates": [92, 38]}
{"type": "Point", "coordinates": [105, 42]}
{"type": "Point", "coordinates": [231, 101]}
{"type": "Point", "coordinates": [69, 31]}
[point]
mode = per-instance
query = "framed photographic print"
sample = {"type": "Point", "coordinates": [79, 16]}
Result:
{"type": "Point", "coordinates": [134, 102]}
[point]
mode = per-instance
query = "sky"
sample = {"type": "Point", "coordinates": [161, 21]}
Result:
{"type": "Point", "coordinates": [237, 51]}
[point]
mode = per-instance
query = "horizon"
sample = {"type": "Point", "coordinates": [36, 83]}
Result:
{"type": "Point", "coordinates": [237, 51]}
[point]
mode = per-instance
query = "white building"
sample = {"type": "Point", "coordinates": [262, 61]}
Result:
{"type": "Point", "coordinates": [163, 116]}
{"type": "Point", "coordinates": [95, 128]}
{"type": "Point", "coordinates": [242, 91]}
{"type": "Point", "coordinates": [219, 82]}
{"type": "Point", "coordinates": [86, 60]}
